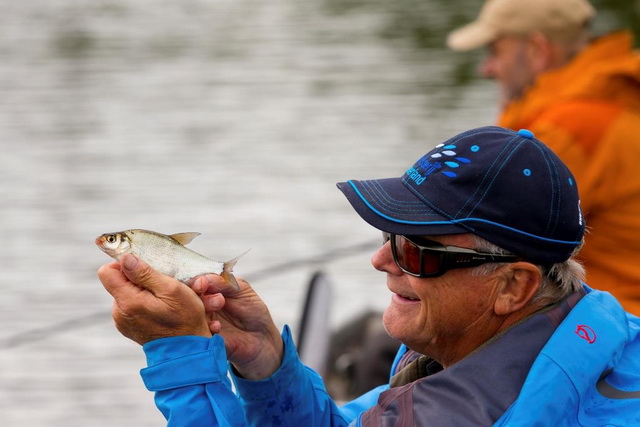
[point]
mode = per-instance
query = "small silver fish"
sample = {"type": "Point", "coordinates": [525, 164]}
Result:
{"type": "Point", "coordinates": [166, 254]}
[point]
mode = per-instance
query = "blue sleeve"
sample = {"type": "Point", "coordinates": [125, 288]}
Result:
{"type": "Point", "coordinates": [189, 377]}
{"type": "Point", "coordinates": [293, 396]}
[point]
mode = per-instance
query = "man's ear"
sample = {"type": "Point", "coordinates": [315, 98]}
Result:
{"type": "Point", "coordinates": [520, 283]}
{"type": "Point", "coordinates": [541, 52]}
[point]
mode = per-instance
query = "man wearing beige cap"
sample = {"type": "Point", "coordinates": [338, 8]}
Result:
{"type": "Point", "coordinates": [582, 97]}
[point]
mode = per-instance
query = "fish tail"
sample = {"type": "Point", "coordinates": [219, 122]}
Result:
{"type": "Point", "coordinates": [227, 271]}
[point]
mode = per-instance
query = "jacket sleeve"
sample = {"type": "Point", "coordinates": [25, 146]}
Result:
{"type": "Point", "coordinates": [191, 380]}
{"type": "Point", "coordinates": [294, 395]}
{"type": "Point", "coordinates": [189, 377]}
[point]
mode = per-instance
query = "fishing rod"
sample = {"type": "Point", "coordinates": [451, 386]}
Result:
{"type": "Point", "coordinates": [79, 322]}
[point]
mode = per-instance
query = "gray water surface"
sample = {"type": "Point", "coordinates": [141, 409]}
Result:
{"type": "Point", "coordinates": [234, 118]}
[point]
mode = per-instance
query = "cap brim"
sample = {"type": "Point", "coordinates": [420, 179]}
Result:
{"type": "Point", "coordinates": [471, 36]}
{"type": "Point", "coordinates": [388, 205]}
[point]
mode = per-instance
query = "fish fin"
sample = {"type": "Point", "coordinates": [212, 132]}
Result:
{"type": "Point", "coordinates": [184, 238]}
{"type": "Point", "coordinates": [230, 278]}
{"type": "Point", "coordinates": [227, 271]}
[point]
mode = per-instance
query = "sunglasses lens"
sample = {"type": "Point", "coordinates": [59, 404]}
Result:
{"type": "Point", "coordinates": [408, 254]}
{"type": "Point", "coordinates": [409, 257]}
{"type": "Point", "coordinates": [431, 262]}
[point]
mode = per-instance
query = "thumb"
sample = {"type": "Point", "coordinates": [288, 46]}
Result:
{"type": "Point", "coordinates": [141, 274]}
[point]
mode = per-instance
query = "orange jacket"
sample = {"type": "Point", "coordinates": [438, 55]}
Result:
{"type": "Point", "coordinates": [588, 112]}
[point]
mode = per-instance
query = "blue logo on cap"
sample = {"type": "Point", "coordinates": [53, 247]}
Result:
{"type": "Point", "coordinates": [445, 159]}
{"type": "Point", "coordinates": [454, 161]}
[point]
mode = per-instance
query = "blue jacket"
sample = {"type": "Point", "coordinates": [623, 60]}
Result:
{"type": "Point", "coordinates": [587, 374]}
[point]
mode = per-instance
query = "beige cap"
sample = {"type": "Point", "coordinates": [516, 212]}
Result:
{"type": "Point", "coordinates": [512, 17]}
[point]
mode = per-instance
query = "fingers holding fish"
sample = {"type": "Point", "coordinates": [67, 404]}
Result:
{"type": "Point", "coordinates": [149, 305]}
{"type": "Point", "coordinates": [252, 340]}
{"type": "Point", "coordinates": [114, 280]}
{"type": "Point", "coordinates": [214, 283]}
{"type": "Point", "coordinates": [213, 302]}
{"type": "Point", "coordinates": [141, 274]}
{"type": "Point", "coordinates": [145, 318]}
{"type": "Point", "coordinates": [215, 327]}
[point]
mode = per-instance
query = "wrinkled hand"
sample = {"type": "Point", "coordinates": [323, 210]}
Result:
{"type": "Point", "coordinates": [252, 340]}
{"type": "Point", "coordinates": [149, 305]}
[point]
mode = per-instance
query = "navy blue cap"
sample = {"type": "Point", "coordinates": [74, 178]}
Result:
{"type": "Point", "coordinates": [504, 186]}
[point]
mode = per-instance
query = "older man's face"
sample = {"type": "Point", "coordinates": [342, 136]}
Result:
{"type": "Point", "coordinates": [439, 316]}
{"type": "Point", "coordinates": [507, 62]}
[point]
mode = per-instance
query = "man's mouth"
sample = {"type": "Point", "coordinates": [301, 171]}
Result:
{"type": "Point", "coordinates": [406, 297]}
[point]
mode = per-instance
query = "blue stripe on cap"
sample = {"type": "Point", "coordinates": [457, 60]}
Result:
{"type": "Point", "coordinates": [455, 221]}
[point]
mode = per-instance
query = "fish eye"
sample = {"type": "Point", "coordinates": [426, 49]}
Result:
{"type": "Point", "coordinates": [111, 238]}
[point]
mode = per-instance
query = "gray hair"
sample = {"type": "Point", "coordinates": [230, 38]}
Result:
{"type": "Point", "coordinates": [558, 280]}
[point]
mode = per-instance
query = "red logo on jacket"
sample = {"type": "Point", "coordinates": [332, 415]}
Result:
{"type": "Point", "coordinates": [586, 333]}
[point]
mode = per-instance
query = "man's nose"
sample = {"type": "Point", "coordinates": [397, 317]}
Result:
{"type": "Point", "coordinates": [382, 260]}
{"type": "Point", "coordinates": [486, 68]}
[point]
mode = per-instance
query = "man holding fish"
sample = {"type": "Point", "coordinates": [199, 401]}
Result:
{"type": "Point", "coordinates": [497, 325]}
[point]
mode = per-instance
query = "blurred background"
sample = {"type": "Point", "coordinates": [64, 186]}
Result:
{"type": "Point", "coordinates": [233, 118]}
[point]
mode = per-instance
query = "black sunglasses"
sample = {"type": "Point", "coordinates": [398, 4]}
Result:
{"type": "Point", "coordinates": [431, 259]}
